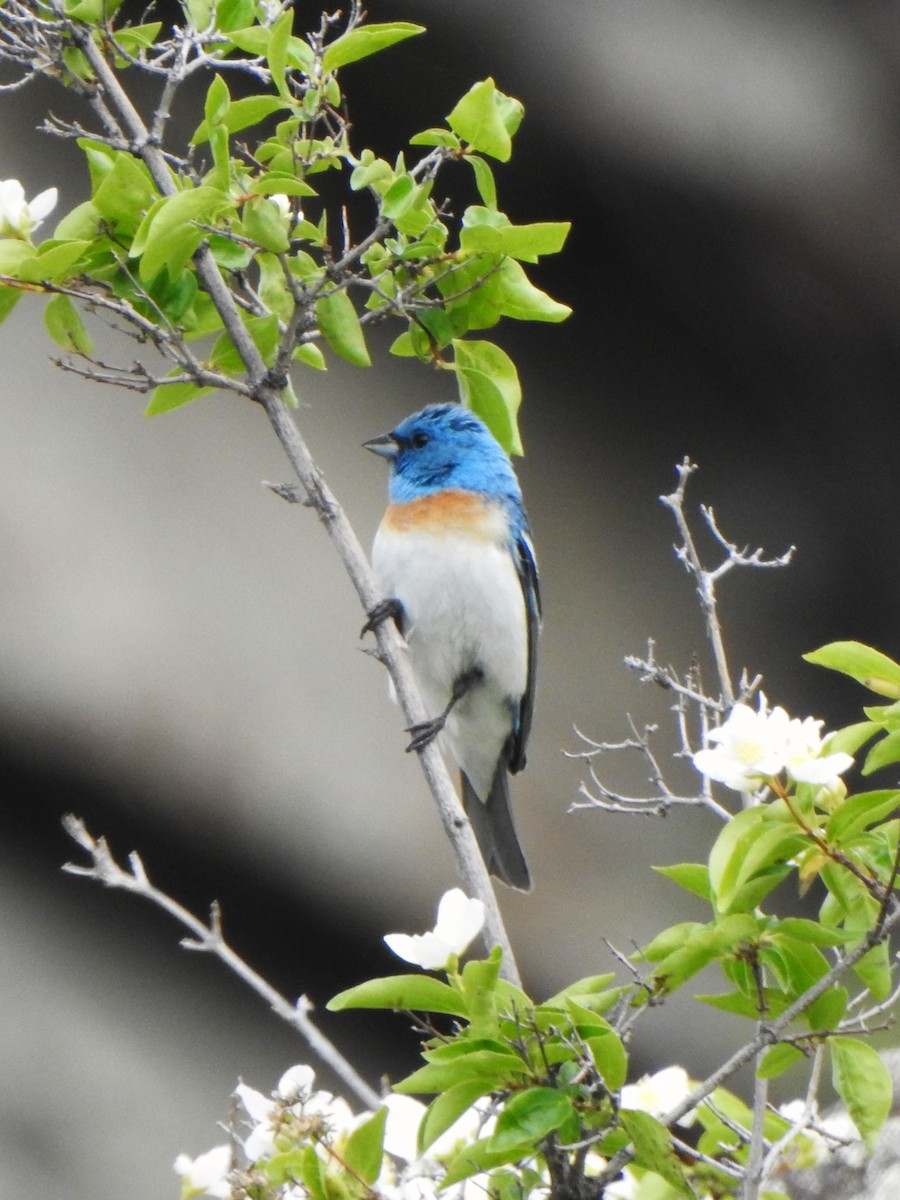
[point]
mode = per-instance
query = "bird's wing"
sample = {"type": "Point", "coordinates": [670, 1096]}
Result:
{"type": "Point", "coordinates": [526, 568]}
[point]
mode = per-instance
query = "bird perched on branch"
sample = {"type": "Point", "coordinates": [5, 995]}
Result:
{"type": "Point", "coordinates": [454, 557]}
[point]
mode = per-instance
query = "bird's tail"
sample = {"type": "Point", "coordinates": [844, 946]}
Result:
{"type": "Point", "coordinates": [492, 822]}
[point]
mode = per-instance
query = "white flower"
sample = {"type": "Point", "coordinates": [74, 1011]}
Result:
{"type": "Point", "coordinates": [658, 1094]}
{"type": "Point", "coordinates": [755, 745]}
{"type": "Point", "coordinates": [294, 1094]}
{"type": "Point", "coordinates": [459, 921]}
{"type": "Point", "coordinates": [18, 217]}
{"type": "Point", "coordinates": [804, 758]}
{"type": "Point", "coordinates": [206, 1175]}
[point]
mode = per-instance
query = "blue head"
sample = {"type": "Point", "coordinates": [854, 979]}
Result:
{"type": "Point", "coordinates": [446, 446]}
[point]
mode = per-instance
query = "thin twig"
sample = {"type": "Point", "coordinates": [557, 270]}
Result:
{"type": "Point", "coordinates": [209, 939]}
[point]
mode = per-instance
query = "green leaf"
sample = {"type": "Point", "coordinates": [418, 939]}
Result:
{"type": "Point", "coordinates": [529, 1116]}
{"type": "Point", "coordinates": [478, 985]}
{"type": "Point", "coordinates": [653, 1148]}
{"type": "Point", "coordinates": [365, 40]}
{"type": "Point", "coordinates": [234, 14]}
{"type": "Point", "coordinates": [874, 969]}
{"type": "Point", "coordinates": [447, 1108]}
{"type": "Point", "coordinates": [9, 298]}
{"type": "Point", "coordinates": [218, 99]}
{"type": "Point", "coordinates": [610, 1058]}
{"type": "Point", "coordinates": [694, 877]}
{"type": "Point", "coordinates": [722, 938]}
{"type": "Point", "coordinates": [579, 990]}
{"type": "Point", "coordinates": [436, 137]}
{"type": "Point", "coordinates": [742, 1005]}
{"type": "Point", "coordinates": [751, 841]}
{"type": "Point", "coordinates": [277, 53]}
{"type": "Point", "coordinates": [810, 931]}
{"type": "Point", "coordinates": [311, 356]}
{"type": "Point", "coordinates": [861, 812]}
{"type": "Point", "coordinates": [63, 322]}
{"type": "Point", "coordinates": [420, 993]}
{"type": "Point", "coordinates": [168, 237]}
{"type": "Point", "coordinates": [482, 119]}
{"type": "Point", "coordinates": [525, 242]}
{"type": "Point", "coordinates": [828, 1010]}
{"type": "Point", "coordinates": [138, 37]}
{"type": "Point", "coordinates": [273, 182]}
{"type": "Point", "coordinates": [669, 940]}
{"type": "Point", "coordinates": [885, 752]}
{"type": "Point", "coordinates": [364, 1150]}
{"type": "Point", "coordinates": [477, 1157]}
{"type": "Point", "coordinates": [264, 224]}
{"type": "Point", "coordinates": [339, 324]}
{"type": "Point", "coordinates": [516, 296]}
{"type": "Point", "coordinates": [241, 114]}
{"type": "Point", "coordinates": [54, 261]}
{"type": "Point", "coordinates": [265, 334]}
{"type": "Point", "coordinates": [867, 666]}
{"type": "Point", "coordinates": [489, 385]}
{"type": "Point", "coordinates": [125, 194]}
{"type": "Point", "coordinates": [83, 222]}
{"type": "Point", "coordinates": [864, 1084]}
{"type": "Point", "coordinates": [484, 180]}
{"type": "Point", "coordinates": [777, 1060]}
{"type": "Point", "coordinates": [493, 1069]}
{"type": "Point", "coordinates": [173, 395]}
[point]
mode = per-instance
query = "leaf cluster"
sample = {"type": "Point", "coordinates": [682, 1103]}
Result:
{"type": "Point", "coordinates": [257, 191]}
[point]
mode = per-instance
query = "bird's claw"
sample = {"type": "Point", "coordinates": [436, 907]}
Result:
{"type": "Point", "coordinates": [424, 733]}
{"type": "Point", "coordinates": [385, 610]}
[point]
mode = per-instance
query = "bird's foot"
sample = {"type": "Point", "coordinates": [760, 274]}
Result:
{"type": "Point", "coordinates": [385, 610]}
{"type": "Point", "coordinates": [425, 732]}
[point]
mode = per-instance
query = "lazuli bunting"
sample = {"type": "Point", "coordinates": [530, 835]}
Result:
{"type": "Point", "coordinates": [454, 556]}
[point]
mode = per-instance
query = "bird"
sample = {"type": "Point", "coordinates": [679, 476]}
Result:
{"type": "Point", "coordinates": [453, 556]}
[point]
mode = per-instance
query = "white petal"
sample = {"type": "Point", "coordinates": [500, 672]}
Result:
{"type": "Point", "coordinates": [257, 1106]}
{"type": "Point", "coordinates": [402, 1128]}
{"type": "Point", "coordinates": [296, 1083]}
{"type": "Point", "coordinates": [423, 949]}
{"type": "Point", "coordinates": [42, 205]}
{"type": "Point", "coordinates": [459, 919]}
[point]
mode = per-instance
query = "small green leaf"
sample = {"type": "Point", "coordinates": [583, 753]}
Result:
{"type": "Point", "coordinates": [694, 877]}
{"type": "Point", "coordinates": [277, 53]}
{"type": "Point", "coordinates": [610, 1058]}
{"type": "Point", "coordinates": [477, 1157]}
{"type": "Point", "coordinates": [861, 812]}
{"type": "Point", "coordinates": [265, 224]}
{"type": "Point", "coordinates": [493, 1068]}
{"type": "Point", "coordinates": [529, 1116]}
{"type": "Point", "coordinates": [525, 242]}
{"type": "Point", "coordinates": [241, 114]}
{"type": "Point", "coordinates": [168, 236]}
{"type": "Point", "coordinates": [484, 180]}
{"type": "Point", "coordinates": [436, 137]}
{"type": "Point", "coordinates": [365, 40]}
{"type": "Point", "coordinates": [364, 1150]}
{"type": "Point", "coordinates": [777, 1060]}
{"type": "Point", "coordinates": [63, 322]}
{"type": "Point", "coordinates": [54, 261]}
{"type": "Point", "coordinates": [311, 356]}
{"type": "Point", "coordinates": [489, 386]}
{"type": "Point", "coordinates": [579, 990]}
{"type": "Point", "coordinates": [653, 1148]}
{"type": "Point", "coordinates": [874, 969]}
{"type": "Point", "coordinates": [273, 183]}
{"type": "Point", "coordinates": [125, 194]}
{"type": "Point", "coordinates": [217, 100]}
{"type": "Point", "coordinates": [867, 666]}
{"type": "Point", "coordinates": [516, 296]}
{"type": "Point", "coordinates": [884, 753]}
{"type": "Point", "coordinates": [481, 118]}
{"type": "Point", "coordinates": [447, 1108]}
{"type": "Point", "coordinates": [421, 993]}
{"type": "Point", "coordinates": [341, 329]}
{"type": "Point", "coordinates": [173, 395]}
{"type": "Point", "coordinates": [863, 1082]}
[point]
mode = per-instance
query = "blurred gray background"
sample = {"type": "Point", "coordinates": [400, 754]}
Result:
{"type": "Point", "coordinates": [178, 656]}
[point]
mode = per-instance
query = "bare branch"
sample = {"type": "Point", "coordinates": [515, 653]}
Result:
{"type": "Point", "coordinates": [209, 939]}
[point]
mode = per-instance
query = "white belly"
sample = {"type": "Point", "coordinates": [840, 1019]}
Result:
{"type": "Point", "coordinates": [464, 610]}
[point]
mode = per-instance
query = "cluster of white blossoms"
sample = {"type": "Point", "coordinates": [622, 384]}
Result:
{"type": "Point", "coordinates": [18, 216]}
{"type": "Point", "coordinates": [297, 1114]}
{"type": "Point", "coordinates": [756, 745]}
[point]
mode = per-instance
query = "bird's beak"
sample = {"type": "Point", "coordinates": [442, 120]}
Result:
{"type": "Point", "coordinates": [384, 446]}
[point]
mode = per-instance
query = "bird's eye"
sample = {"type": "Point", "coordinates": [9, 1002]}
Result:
{"type": "Point", "coordinates": [418, 440]}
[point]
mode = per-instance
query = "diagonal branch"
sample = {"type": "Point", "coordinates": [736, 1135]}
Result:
{"type": "Point", "coordinates": [114, 105]}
